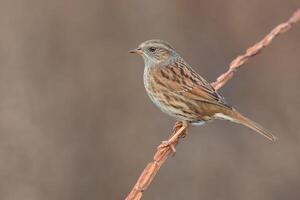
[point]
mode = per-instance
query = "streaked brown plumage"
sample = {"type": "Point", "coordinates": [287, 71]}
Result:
{"type": "Point", "coordinates": [182, 93]}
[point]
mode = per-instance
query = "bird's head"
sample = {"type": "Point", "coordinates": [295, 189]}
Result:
{"type": "Point", "coordinates": [154, 51]}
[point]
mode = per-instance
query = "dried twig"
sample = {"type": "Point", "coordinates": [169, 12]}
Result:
{"type": "Point", "coordinates": [152, 168]}
{"type": "Point", "coordinates": [255, 49]}
{"type": "Point", "coordinates": [163, 153]}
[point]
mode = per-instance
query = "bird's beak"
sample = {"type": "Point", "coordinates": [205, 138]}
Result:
{"type": "Point", "coordinates": [137, 51]}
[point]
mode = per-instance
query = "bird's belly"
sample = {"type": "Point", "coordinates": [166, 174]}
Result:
{"type": "Point", "coordinates": [164, 106]}
{"type": "Point", "coordinates": [173, 106]}
{"type": "Point", "coordinates": [198, 123]}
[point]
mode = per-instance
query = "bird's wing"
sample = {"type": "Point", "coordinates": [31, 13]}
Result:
{"type": "Point", "coordinates": [181, 79]}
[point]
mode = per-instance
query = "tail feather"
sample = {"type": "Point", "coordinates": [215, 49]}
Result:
{"type": "Point", "coordinates": [236, 117]}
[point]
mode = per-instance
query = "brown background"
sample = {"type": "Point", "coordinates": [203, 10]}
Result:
{"type": "Point", "coordinates": [76, 123]}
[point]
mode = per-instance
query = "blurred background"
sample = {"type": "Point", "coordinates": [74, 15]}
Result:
{"type": "Point", "coordinates": [76, 123]}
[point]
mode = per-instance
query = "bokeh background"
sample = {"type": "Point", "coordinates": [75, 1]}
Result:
{"type": "Point", "coordinates": [76, 123]}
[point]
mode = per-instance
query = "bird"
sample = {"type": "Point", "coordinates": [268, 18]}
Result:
{"type": "Point", "coordinates": [179, 91]}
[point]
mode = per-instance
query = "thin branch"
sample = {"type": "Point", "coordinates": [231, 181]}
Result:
{"type": "Point", "coordinates": [255, 49]}
{"type": "Point", "coordinates": [162, 154]}
{"type": "Point", "coordinates": [153, 167]}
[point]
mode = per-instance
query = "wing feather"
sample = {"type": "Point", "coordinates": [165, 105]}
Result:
{"type": "Point", "coordinates": [181, 79]}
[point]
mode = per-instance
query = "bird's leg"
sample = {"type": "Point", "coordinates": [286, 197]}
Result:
{"type": "Point", "coordinates": [179, 131]}
{"type": "Point", "coordinates": [177, 126]}
{"type": "Point", "coordinates": [185, 131]}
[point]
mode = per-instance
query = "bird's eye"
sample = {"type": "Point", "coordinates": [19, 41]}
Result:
{"type": "Point", "coordinates": [152, 49]}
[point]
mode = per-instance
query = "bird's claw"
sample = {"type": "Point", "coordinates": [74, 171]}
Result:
{"type": "Point", "coordinates": [179, 131]}
{"type": "Point", "coordinates": [166, 144]}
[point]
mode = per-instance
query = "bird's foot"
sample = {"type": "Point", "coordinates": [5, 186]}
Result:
{"type": "Point", "coordinates": [177, 126]}
{"type": "Point", "coordinates": [179, 131]}
{"type": "Point", "coordinates": [168, 143]}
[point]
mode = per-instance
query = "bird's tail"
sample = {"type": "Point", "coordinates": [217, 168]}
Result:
{"type": "Point", "coordinates": [234, 116]}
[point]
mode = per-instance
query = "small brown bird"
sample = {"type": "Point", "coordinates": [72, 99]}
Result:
{"type": "Point", "coordinates": [181, 92]}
